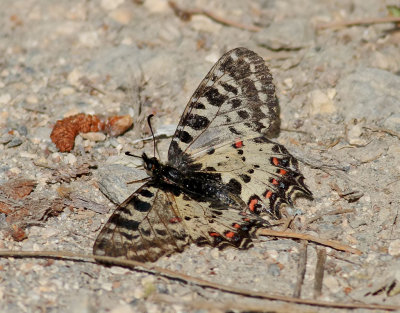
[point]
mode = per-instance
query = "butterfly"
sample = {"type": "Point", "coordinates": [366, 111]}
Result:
{"type": "Point", "coordinates": [223, 174]}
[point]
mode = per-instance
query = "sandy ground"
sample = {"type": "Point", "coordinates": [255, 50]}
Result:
{"type": "Point", "coordinates": [339, 97]}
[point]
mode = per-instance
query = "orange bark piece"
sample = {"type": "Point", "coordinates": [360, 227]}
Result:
{"type": "Point", "coordinates": [65, 130]}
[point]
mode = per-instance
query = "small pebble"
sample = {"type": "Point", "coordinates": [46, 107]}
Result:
{"type": "Point", "coordinates": [94, 136]}
{"type": "Point", "coordinates": [394, 247]}
{"type": "Point", "coordinates": [321, 103]}
{"type": "Point", "coordinates": [5, 98]}
{"type": "Point", "coordinates": [14, 142]}
{"type": "Point", "coordinates": [110, 4]}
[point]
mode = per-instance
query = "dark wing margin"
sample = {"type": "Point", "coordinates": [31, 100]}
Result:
{"type": "Point", "coordinates": [143, 228]}
{"type": "Point", "coordinates": [236, 99]}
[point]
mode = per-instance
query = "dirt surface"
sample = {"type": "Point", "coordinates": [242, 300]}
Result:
{"type": "Point", "coordinates": [339, 97]}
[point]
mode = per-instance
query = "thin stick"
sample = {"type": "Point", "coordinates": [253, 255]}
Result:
{"type": "Point", "coordinates": [319, 272]}
{"type": "Point", "coordinates": [366, 21]}
{"type": "Point", "coordinates": [186, 13]}
{"type": "Point", "coordinates": [329, 243]}
{"type": "Point", "coordinates": [333, 212]}
{"type": "Point", "coordinates": [301, 270]}
{"type": "Point", "coordinates": [190, 279]}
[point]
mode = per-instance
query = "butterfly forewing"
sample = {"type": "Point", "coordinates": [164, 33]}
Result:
{"type": "Point", "coordinates": [146, 226]}
{"type": "Point", "coordinates": [235, 100]}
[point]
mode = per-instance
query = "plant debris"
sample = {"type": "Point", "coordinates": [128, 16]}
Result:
{"type": "Point", "coordinates": [65, 130]}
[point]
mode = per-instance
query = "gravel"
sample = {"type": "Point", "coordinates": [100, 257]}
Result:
{"type": "Point", "coordinates": [339, 98]}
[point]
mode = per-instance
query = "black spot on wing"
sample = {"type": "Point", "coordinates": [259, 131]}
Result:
{"type": "Point", "coordinates": [184, 136]}
{"type": "Point", "coordinates": [196, 122]}
{"type": "Point", "coordinates": [234, 131]}
{"type": "Point", "coordinates": [234, 186]}
{"type": "Point", "coordinates": [140, 205]}
{"type": "Point", "coordinates": [199, 106]}
{"type": "Point", "coordinates": [235, 103]}
{"type": "Point", "coordinates": [128, 224]}
{"type": "Point", "coordinates": [146, 193]}
{"type": "Point", "coordinates": [229, 88]}
{"type": "Point", "coordinates": [214, 97]}
{"type": "Point", "coordinates": [243, 114]}
{"type": "Point", "coordinates": [245, 178]}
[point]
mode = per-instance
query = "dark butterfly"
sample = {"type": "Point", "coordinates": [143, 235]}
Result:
{"type": "Point", "coordinates": [222, 171]}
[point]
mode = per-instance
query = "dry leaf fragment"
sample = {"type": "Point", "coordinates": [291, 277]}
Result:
{"type": "Point", "coordinates": [17, 188]}
{"type": "Point", "coordinates": [18, 233]}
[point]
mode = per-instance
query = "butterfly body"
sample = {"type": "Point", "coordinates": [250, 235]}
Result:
{"type": "Point", "coordinates": [224, 177]}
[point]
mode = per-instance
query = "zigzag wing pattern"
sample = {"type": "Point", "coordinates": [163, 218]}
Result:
{"type": "Point", "coordinates": [262, 172]}
{"type": "Point", "coordinates": [218, 225]}
{"type": "Point", "coordinates": [144, 227]}
{"type": "Point", "coordinates": [236, 98]}
{"type": "Point", "coordinates": [152, 223]}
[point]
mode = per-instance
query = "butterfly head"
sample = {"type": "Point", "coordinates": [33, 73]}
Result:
{"type": "Point", "coordinates": [151, 165]}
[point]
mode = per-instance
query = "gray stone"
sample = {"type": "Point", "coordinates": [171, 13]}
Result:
{"type": "Point", "coordinates": [368, 93]}
{"type": "Point", "coordinates": [290, 34]}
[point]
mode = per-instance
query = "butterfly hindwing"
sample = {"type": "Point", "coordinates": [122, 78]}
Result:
{"type": "Point", "coordinates": [261, 172]}
{"type": "Point", "coordinates": [236, 98]}
{"type": "Point", "coordinates": [219, 225]}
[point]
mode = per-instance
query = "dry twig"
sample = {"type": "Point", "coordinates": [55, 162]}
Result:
{"type": "Point", "coordinates": [319, 272]}
{"type": "Point", "coordinates": [366, 21]}
{"type": "Point", "coordinates": [301, 270]}
{"type": "Point", "coordinates": [186, 15]}
{"type": "Point", "coordinates": [329, 243]}
{"type": "Point", "coordinates": [190, 279]}
{"type": "Point", "coordinates": [333, 212]}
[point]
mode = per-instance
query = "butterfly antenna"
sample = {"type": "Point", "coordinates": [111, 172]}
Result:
{"type": "Point", "coordinates": [152, 133]}
{"type": "Point", "coordinates": [132, 155]}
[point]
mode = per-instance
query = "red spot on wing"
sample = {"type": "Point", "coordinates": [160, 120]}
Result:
{"type": "Point", "coordinates": [175, 219]}
{"type": "Point", "coordinates": [214, 234]}
{"type": "Point", "coordinates": [275, 161]}
{"type": "Point", "coordinates": [230, 234]}
{"type": "Point", "coordinates": [236, 225]}
{"type": "Point", "coordinates": [268, 194]}
{"type": "Point", "coordinates": [238, 144]}
{"type": "Point", "coordinates": [275, 182]}
{"type": "Point", "coordinates": [252, 204]}
{"type": "Point", "coordinates": [282, 172]}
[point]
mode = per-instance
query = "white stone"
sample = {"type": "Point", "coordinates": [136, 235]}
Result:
{"type": "Point", "coordinates": [5, 98]}
{"type": "Point", "coordinates": [122, 16]}
{"type": "Point", "coordinates": [93, 136]}
{"type": "Point", "coordinates": [354, 135]}
{"type": "Point", "coordinates": [70, 159]}
{"type": "Point", "coordinates": [74, 77]}
{"type": "Point", "coordinates": [111, 4]}
{"type": "Point", "coordinates": [394, 247]}
{"type": "Point", "coordinates": [332, 283]}
{"type": "Point", "coordinates": [321, 103]}
{"type": "Point", "coordinates": [65, 91]}
{"type": "Point", "coordinates": [156, 6]}
{"type": "Point", "coordinates": [123, 308]}
{"type": "Point", "coordinates": [90, 39]}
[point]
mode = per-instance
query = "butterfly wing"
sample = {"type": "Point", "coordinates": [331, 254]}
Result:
{"type": "Point", "coordinates": [235, 99]}
{"type": "Point", "coordinates": [155, 222]}
{"type": "Point", "coordinates": [223, 131]}
{"type": "Point", "coordinates": [262, 173]}
{"type": "Point", "coordinates": [144, 227]}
